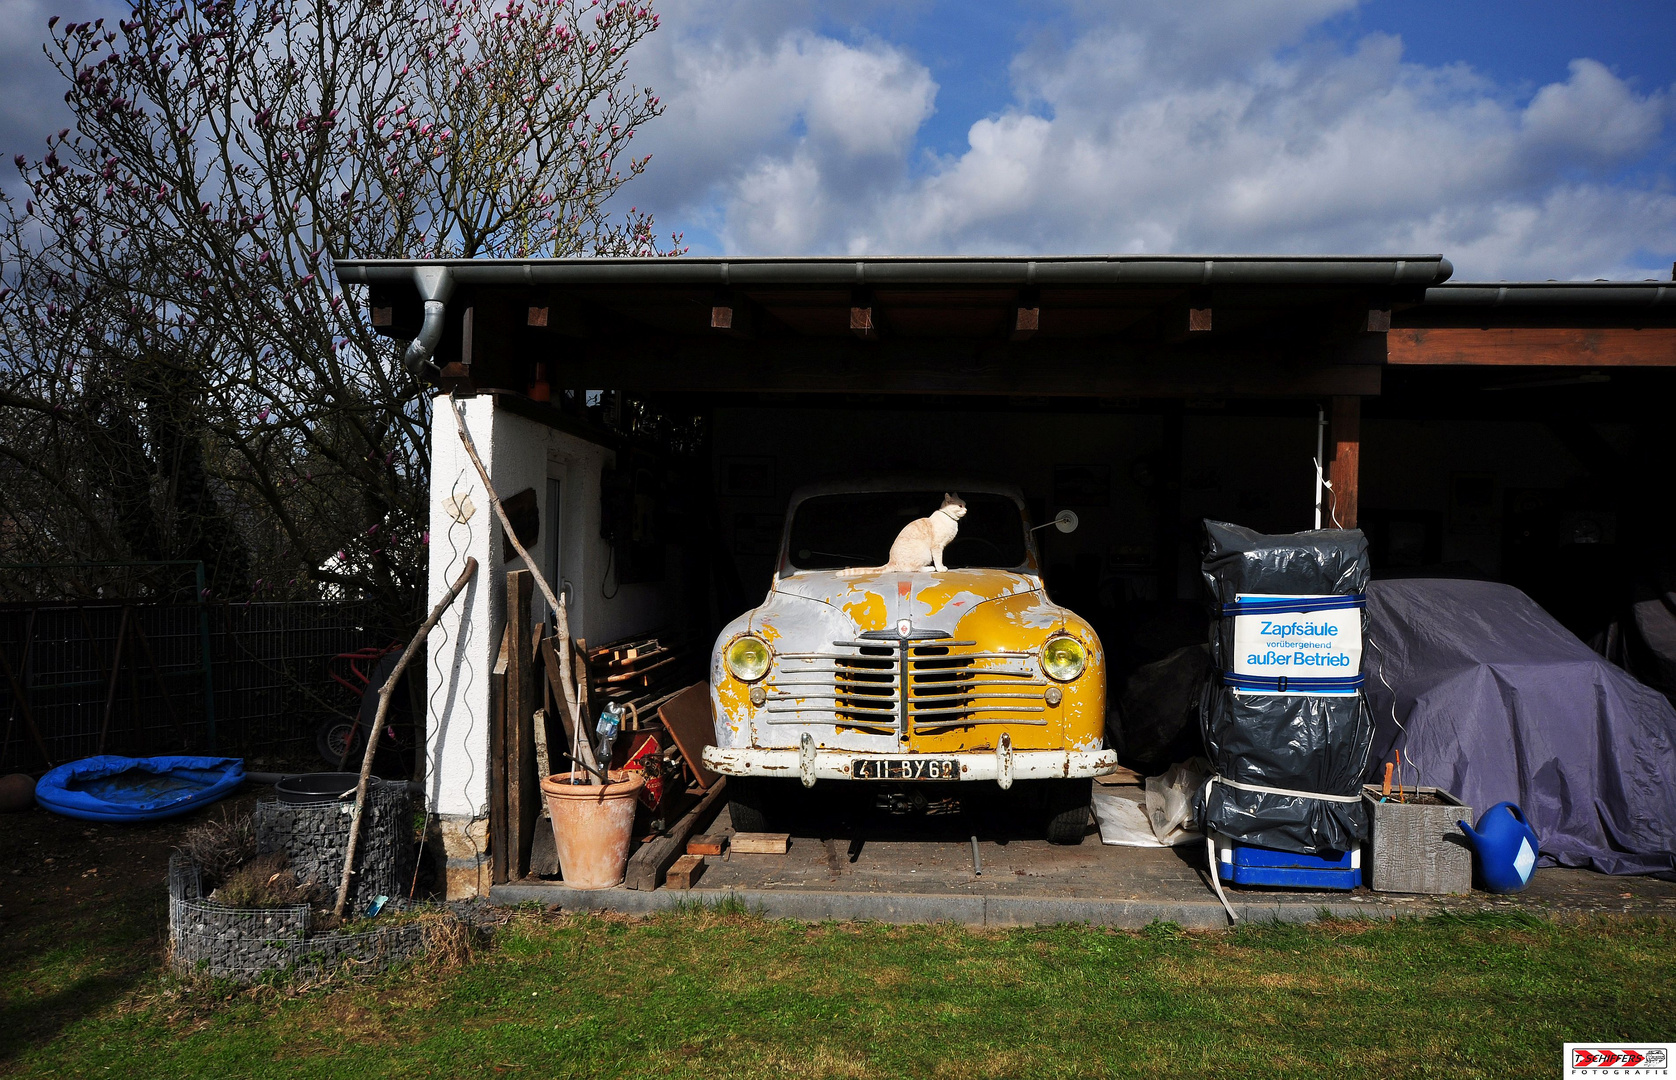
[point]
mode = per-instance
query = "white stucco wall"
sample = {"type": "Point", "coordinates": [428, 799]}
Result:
{"type": "Point", "coordinates": [519, 453]}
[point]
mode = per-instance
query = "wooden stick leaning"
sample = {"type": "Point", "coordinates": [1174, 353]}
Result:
{"type": "Point", "coordinates": [385, 693]}
{"type": "Point", "coordinates": [566, 683]}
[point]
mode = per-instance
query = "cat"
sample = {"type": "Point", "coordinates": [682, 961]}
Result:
{"type": "Point", "coordinates": [920, 544]}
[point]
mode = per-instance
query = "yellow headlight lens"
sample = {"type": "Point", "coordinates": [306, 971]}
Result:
{"type": "Point", "coordinates": [1063, 658]}
{"type": "Point", "coordinates": [747, 658]}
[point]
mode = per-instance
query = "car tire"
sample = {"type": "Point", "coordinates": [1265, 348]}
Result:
{"type": "Point", "coordinates": [750, 803]}
{"type": "Point", "coordinates": [1068, 805]}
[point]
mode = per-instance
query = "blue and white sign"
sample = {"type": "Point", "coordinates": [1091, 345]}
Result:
{"type": "Point", "coordinates": [1306, 646]}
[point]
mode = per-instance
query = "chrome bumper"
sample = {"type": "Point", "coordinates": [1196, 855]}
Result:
{"type": "Point", "coordinates": [1002, 765]}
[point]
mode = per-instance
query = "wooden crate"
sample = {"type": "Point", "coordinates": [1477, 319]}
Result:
{"type": "Point", "coordinates": [1419, 849]}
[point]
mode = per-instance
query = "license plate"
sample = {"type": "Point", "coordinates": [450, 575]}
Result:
{"type": "Point", "coordinates": [905, 769]}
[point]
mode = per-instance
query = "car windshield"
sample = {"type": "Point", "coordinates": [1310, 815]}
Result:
{"type": "Point", "coordinates": [829, 532]}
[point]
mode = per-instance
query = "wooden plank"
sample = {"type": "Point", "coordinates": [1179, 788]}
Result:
{"type": "Point", "coordinates": [647, 866]}
{"type": "Point", "coordinates": [640, 673]}
{"type": "Point", "coordinates": [555, 696]}
{"type": "Point", "coordinates": [538, 720]}
{"type": "Point", "coordinates": [1533, 346]}
{"type": "Point", "coordinates": [760, 843]}
{"type": "Point", "coordinates": [637, 659]}
{"type": "Point", "coordinates": [685, 872]}
{"type": "Point", "coordinates": [579, 672]}
{"type": "Point", "coordinates": [708, 844]}
{"type": "Point", "coordinates": [497, 767]}
{"type": "Point", "coordinates": [523, 793]}
{"type": "Point", "coordinates": [1345, 470]}
{"type": "Point", "coordinates": [1185, 369]}
{"type": "Point", "coordinates": [1027, 319]}
{"type": "Point", "coordinates": [688, 719]}
{"type": "Point", "coordinates": [617, 649]}
{"type": "Point", "coordinates": [731, 313]}
{"type": "Point", "coordinates": [864, 316]}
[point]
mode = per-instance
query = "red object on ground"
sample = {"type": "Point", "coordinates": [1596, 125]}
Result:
{"type": "Point", "coordinates": [639, 757]}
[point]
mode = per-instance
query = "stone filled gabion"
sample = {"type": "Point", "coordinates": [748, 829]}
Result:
{"type": "Point", "coordinates": [314, 837]}
{"type": "Point", "coordinates": [244, 944]}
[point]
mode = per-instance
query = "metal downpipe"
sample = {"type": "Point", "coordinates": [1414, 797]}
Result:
{"type": "Point", "coordinates": [434, 284]}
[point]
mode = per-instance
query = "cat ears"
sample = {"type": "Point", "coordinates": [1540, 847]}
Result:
{"type": "Point", "coordinates": [952, 497]}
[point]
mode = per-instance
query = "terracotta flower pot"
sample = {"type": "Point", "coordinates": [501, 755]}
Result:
{"type": "Point", "coordinates": [592, 825]}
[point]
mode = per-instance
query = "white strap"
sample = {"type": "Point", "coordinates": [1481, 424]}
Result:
{"type": "Point", "coordinates": [1284, 791]}
{"type": "Point", "coordinates": [1210, 853]}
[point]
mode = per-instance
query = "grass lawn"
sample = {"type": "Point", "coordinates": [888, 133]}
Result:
{"type": "Point", "coordinates": [711, 994]}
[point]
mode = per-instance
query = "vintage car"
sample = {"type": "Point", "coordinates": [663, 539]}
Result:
{"type": "Point", "coordinates": [906, 679]}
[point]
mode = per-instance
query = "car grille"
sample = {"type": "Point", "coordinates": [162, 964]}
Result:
{"type": "Point", "coordinates": [923, 683]}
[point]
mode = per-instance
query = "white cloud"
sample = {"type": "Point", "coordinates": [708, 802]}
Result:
{"type": "Point", "coordinates": [1163, 127]}
{"type": "Point", "coordinates": [780, 141]}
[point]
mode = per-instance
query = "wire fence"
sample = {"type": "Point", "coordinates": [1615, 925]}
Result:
{"type": "Point", "coordinates": [106, 676]}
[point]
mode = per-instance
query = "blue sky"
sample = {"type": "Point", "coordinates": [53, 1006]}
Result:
{"type": "Point", "coordinates": [1521, 45]}
{"type": "Point", "coordinates": [1524, 140]}
{"type": "Point", "coordinates": [1534, 139]}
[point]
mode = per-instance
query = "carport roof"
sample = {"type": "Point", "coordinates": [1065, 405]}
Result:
{"type": "Point", "coordinates": [1288, 326]}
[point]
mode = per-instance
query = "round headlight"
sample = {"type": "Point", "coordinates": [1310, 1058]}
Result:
{"type": "Point", "coordinates": [747, 658]}
{"type": "Point", "coordinates": [1063, 658]}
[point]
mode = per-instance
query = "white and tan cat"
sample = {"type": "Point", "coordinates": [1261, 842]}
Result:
{"type": "Point", "coordinates": [920, 544]}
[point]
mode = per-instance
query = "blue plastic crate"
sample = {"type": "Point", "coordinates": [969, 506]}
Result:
{"type": "Point", "coordinates": [1244, 864]}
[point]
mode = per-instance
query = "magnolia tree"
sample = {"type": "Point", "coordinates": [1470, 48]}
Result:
{"type": "Point", "coordinates": [182, 376]}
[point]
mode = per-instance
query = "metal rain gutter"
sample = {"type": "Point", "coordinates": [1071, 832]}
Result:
{"type": "Point", "coordinates": [1620, 294]}
{"type": "Point", "coordinates": [1173, 270]}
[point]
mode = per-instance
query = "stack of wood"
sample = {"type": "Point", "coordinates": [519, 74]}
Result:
{"type": "Point", "coordinates": [665, 735]}
{"type": "Point", "coordinates": [643, 672]}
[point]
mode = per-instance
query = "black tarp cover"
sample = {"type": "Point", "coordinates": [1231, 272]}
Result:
{"type": "Point", "coordinates": [1299, 742]}
{"type": "Point", "coordinates": [1502, 703]}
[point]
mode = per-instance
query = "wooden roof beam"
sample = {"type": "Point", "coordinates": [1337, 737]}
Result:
{"type": "Point", "coordinates": [731, 313]}
{"type": "Point", "coordinates": [560, 315]}
{"type": "Point", "coordinates": [1534, 346]}
{"type": "Point", "coordinates": [1027, 315]}
{"type": "Point", "coordinates": [1188, 317]}
{"type": "Point", "coordinates": [865, 322]}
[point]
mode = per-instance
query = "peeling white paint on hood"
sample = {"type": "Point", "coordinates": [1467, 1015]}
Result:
{"type": "Point", "coordinates": [930, 600]}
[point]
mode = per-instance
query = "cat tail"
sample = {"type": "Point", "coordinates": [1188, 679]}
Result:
{"type": "Point", "coordinates": [861, 571]}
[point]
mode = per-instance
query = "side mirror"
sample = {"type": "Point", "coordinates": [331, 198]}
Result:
{"type": "Point", "coordinates": [1065, 521]}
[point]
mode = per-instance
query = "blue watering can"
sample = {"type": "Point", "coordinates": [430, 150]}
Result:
{"type": "Point", "coordinates": [1506, 848]}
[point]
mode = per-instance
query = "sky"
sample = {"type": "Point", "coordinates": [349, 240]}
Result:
{"type": "Point", "coordinates": [1524, 140]}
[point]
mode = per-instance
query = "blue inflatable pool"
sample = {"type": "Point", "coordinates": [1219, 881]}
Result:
{"type": "Point", "coordinates": [109, 788]}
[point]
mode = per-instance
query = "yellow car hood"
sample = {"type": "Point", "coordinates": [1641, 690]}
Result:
{"type": "Point", "coordinates": [930, 601]}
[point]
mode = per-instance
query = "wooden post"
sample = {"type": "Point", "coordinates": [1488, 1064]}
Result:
{"type": "Point", "coordinates": [1345, 472]}
{"type": "Point", "coordinates": [522, 790]}
{"type": "Point", "coordinates": [498, 845]}
{"type": "Point", "coordinates": [385, 693]}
